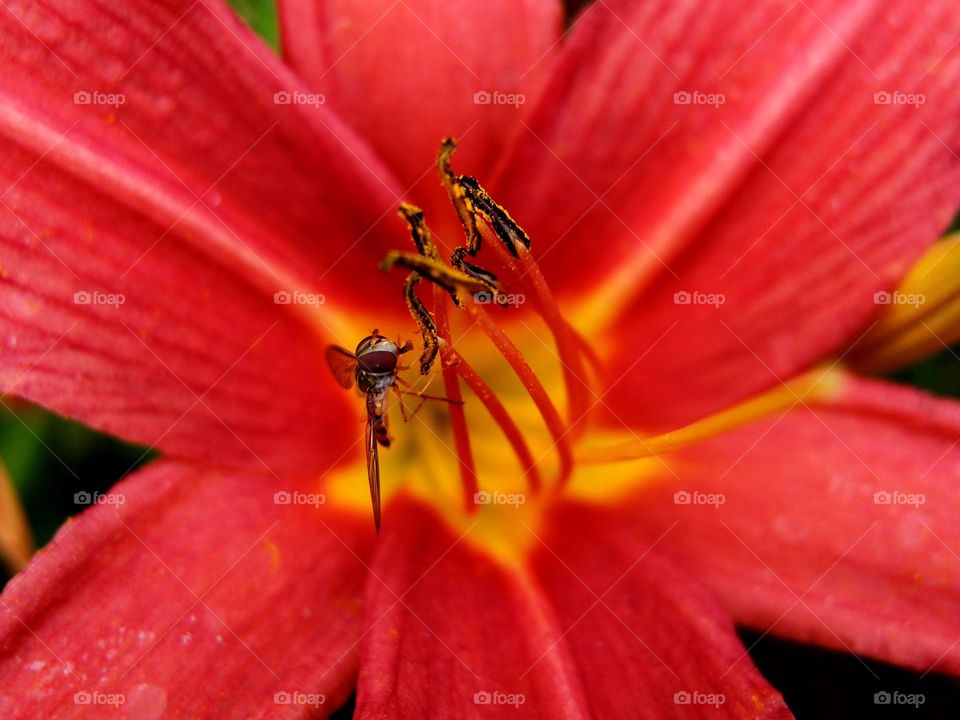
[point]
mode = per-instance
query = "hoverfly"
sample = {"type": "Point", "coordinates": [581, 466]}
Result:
{"type": "Point", "coordinates": [373, 369]}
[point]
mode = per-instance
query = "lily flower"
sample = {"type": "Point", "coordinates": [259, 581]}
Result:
{"type": "Point", "coordinates": [661, 435]}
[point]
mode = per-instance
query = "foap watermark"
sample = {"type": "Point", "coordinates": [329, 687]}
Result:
{"type": "Point", "coordinates": [884, 697]}
{"type": "Point", "coordinates": [496, 97]}
{"type": "Point", "coordinates": [95, 498]}
{"type": "Point", "coordinates": [95, 697]}
{"type": "Point", "coordinates": [484, 497]}
{"type": "Point", "coordinates": [284, 97]}
{"type": "Point", "coordinates": [896, 97]}
{"type": "Point", "coordinates": [296, 697]}
{"type": "Point", "coordinates": [898, 298]}
{"type": "Point", "coordinates": [896, 497]}
{"type": "Point", "coordinates": [503, 299]}
{"type": "Point", "coordinates": [97, 297]}
{"type": "Point", "coordinates": [695, 697]}
{"type": "Point", "coordinates": [87, 97]}
{"type": "Point", "coordinates": [695, 97]}
{"type": "Point", "coordinates": [286, 497]}
{"type": "Point", "coordinates": [685, 297]}
{"type": "Point", "coordinates": [495, 697]}
{"type": "Point", "coordinates": [296, 297]}
{"type": "Point", "coordinates": [685, 497]}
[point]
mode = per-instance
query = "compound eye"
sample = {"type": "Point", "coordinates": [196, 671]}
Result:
{"type": "Point", "coordinates": [378, 361]}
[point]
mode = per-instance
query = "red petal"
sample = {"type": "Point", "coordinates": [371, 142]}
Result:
{"type": "Point", "coordinates": [199, 358]}
{"type": "Point", "coordinates": [802, 546]}
{"type": "Point", "coordinates": [193, 360]}
{"type": "Point", "coordinates": [452, 628]}
{"type": "Point", "coordinates": [405, 75]}
{"type": "Point", "coordinates": [796, 199]}
{"type": "Point", "coordinates": [198, 589]}
{"type": "Point", "coordinates": [280, 193]}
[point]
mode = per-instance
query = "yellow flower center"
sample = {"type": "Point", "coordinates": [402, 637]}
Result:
{"type": "Point", "coordinates": [505, 513]}
{"type": "Point", "coordinates": [528, 430]}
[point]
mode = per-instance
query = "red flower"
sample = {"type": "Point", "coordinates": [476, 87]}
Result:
{"type": "Point", "coordinates": [715, 194]}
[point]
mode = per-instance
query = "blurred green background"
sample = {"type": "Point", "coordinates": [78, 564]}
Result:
{"type": "Point", "coordinates": [50, 459]}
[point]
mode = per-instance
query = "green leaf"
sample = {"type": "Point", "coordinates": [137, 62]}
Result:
{"type": "Point", "coordinates": [261, 15]}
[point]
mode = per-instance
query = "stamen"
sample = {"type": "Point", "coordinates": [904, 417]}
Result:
{"type": "Point", "coordinates": [500, 415]}
{"type": "Point", "coordinates": [419, 232]}
{"type": "Point", "coordinates": [570, 346]}
{"type": "Point", "coordinates": [424, 320]}
{"type": "Point", "coordinates": [458, 196]}
{"type": "Point", "coordinates": [436, 271]}
{"type": "Point", "coordinates": [458, 418]}
{"type": "Point", "coordinates": [427, 264]}
{"type": "Point", "coordinates": [534, 388]}
{"type": "Point", "coordinates": [478, 213]}
{"type": "Point", "coordinates": [816, 385]}
{"type": "Point", "coordinates": [472, 201]}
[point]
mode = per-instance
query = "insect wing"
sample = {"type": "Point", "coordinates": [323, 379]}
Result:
{"type": "Point", "coordinates": [373, 469]}
{"type": "Point", "coordinates": [343, 364]}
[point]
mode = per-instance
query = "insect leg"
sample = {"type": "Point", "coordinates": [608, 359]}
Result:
{"type": "Point", "coordinates": [408, 415]}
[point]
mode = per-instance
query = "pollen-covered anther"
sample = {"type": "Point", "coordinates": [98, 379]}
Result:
{"type": "Point", "coordinates": [463, 277]}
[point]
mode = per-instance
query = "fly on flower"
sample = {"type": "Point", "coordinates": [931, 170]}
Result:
{"type": "Point", "coordinates": [373, 368]}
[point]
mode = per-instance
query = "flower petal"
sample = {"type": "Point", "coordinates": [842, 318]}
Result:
{"type": "Point", "coordinates": [457, 632]}
{"type": "Point", "coordinates": [787, 161]}
{"type": "Point", "coordinates": [833, 524]}
{"type": "Point", "coordinates": [181, 113]}
{"type": "Point", "coordinates": [405, 75]}
{"type": "Point", "coordinates": [188, 587]}
{"type": "Point", "coordinates": [168, 350]}
{"type": "Point", "coordinates": [142, 246]}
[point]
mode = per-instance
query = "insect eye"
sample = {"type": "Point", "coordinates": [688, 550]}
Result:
{"type": "Point", "coordinates": [378, 361]}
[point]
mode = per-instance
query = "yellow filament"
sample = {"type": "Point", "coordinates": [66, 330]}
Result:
{"type": "Point", "coordinates": [16, 543]}
{"type": "Point", "coordinates": [816, 385]}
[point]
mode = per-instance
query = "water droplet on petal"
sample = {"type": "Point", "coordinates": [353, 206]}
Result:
{"type": "Point", "coordinates": [146, 702]}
